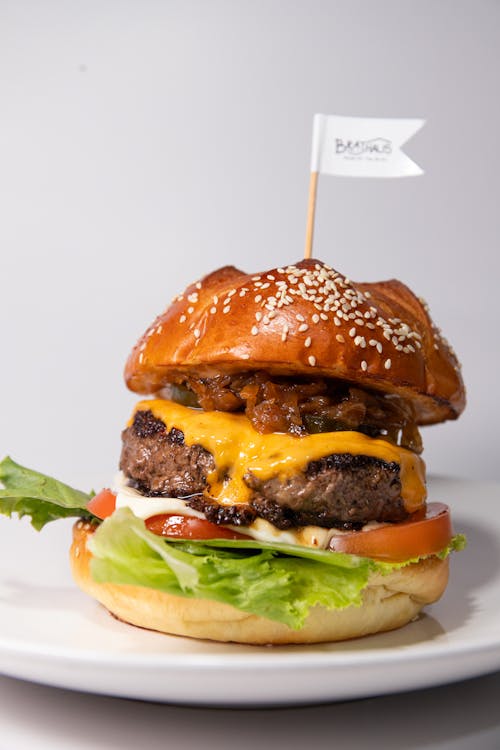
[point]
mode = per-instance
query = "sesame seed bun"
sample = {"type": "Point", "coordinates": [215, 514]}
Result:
{"type": "Point", "coordinates": [389, 602]}
{"type": "Point", "coordinates": [303, 320]}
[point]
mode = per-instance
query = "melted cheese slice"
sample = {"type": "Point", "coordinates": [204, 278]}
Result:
{"type": "Point", "coordinates": [237, 449]}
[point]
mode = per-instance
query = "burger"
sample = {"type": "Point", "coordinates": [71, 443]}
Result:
{"type": "Point", "coordinates": [271, 487]}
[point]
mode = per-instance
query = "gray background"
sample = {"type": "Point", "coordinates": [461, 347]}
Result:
{"type": "Point", "coordinates": [145, 143]}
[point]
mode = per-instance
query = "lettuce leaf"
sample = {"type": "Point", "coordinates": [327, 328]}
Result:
{"type": "Point", "coordinates": [279, 581]}
{"type": "Point", "coordinates": [256, 578]}
{"type": "Point", "coordinates": [43, 499]}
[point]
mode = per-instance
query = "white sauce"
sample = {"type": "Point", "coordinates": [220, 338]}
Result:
{"type": "Point", "coordinates": [145, 507]}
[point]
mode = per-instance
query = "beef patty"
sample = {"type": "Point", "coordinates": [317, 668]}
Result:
{"type": "Point", "coordinates": [340, 490]}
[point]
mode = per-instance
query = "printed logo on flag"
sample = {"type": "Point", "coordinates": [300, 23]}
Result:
{"type": "Point", "coordinates": [363, 146]}
{"type": "Point", "coordinates": [376, 148]}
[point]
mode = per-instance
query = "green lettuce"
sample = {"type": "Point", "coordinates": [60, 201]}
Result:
{"type": "Point", "coordinates": [43, 499]}
{"type": "Point", "coordinates": [279, 581]}
{"type": "Point", "coordinates": [258, 578]}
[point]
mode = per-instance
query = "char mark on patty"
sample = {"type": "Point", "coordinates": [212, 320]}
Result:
{"type": "Point", "coordinates": [158, 462]}
{"type": "Point", "coordinates": [340, 490]}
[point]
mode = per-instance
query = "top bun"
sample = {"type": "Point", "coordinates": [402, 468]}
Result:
{"type": "Point", "coordinates": [303, 320]}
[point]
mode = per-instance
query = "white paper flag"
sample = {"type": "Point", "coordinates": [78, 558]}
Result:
{"type": "Point", "coordinates": [363, 146]}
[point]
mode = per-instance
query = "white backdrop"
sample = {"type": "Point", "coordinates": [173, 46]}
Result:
{"type": "Point", "coordinates": [144, 143]}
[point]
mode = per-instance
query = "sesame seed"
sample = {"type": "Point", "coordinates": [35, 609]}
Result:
{"type": "Point", "coordinates": [254, 331]}
{"type": "Point", "coordinates": [300, 317]}
{"type": "Point", "coordinates": [198, 284]}
{"type": "Point", "coordinates": [141, 357]}
{"type": "Point", "coordinates": [226, 309]}
{"type": "Point", "coordinates": [312, 360]}
{"type": "Point", "coordinates": [265, 286]}
{"type": "Point", "coordinates": [337, 322]}
{"type": "Point", "coordinates": [231, 293]}
{"type": "Point", "coordinates": [315, 318]}
{"type": "Point", "coordinates": [216, 299]}
{"type": "Point", "coordinates": [193, 297]}
{"type": "Point", "coordinates": [182, 319]}
{"type": "Point", "coordinates": [352, 332]}
{"type": "Point", "coordinates": [196, 333]}
{"type": "Point", "coordinates": [190, 310]}
{"type": "Point", "coordinates": [255, 278]}
{"type": "Point", "coordinates": [379, 347]}
{"type": "Point", "coordinates": [242, 293]}
{"type": "Point", "coordinates": [340, 338]}
{"type": "Point", "coordinates": [245, 356]}
{"type": "Point", "coordinates": [283, 336]}
{"type": "Point", "coordinates": [323, 316]}
{"type": "Point", "coordinates": [270, 277]}
{"type": "Point", "coordinates": [303, 327]}
{"type": "Point", "coordinates": [307, 342]}
{"type": "Point", "coordinates": [258, 298]}
{"type": "Point", "coordinates": [213, 310]}
{"type": "Point", "coordinates": [258, 316]}
{"type": "Point", "coordinates": [364, 366]}
{"type": "Point", "coordinates": [387, 364]}
{"type": "Point", "coordinates": [159, 329]}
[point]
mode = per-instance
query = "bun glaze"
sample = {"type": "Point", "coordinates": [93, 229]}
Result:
{"type": "Point", "coordinates": [389, 602]}
{"type": "Point", "coordinates": [303, 320]}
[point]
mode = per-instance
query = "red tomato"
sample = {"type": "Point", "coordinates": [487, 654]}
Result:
{"type": "Point", "coordinates": [103, 504]}
{"type": "Point", "coordinates": [422, 534]}
{"type": "Point", "coordinates": [189, 527]}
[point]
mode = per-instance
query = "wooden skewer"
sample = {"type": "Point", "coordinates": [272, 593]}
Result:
{"type": "Point", "coordinates": [311, 209]}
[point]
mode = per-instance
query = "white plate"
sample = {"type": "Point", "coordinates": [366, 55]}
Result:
{"type": "Point", "coordinates": [52, 633]}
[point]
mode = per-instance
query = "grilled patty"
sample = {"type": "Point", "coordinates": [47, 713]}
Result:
{"type": "Point", "coordinates": [339, 490]}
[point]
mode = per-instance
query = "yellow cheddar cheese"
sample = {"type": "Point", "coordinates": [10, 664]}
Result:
{"type": "Point", "coordinates": [237, 449]}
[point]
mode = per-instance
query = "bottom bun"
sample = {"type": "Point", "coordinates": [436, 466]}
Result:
{"type": "Point", "coordinates": [389, 601]}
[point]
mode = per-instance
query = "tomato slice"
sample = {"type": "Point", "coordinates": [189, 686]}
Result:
{"type": "Point", "coordinates": [189, 527]}
{"type": "Point", "coordinates": [103, 504]}
{"type": "Point", "coordinates": [422, 534]}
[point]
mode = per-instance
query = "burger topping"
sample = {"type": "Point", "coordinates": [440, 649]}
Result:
{"type": "Point", "coordinates": [425, 532]}
{"type": "Point", "coordinates": [235, 474]}
{"type": "Point", "coordinates": [302, 407]}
